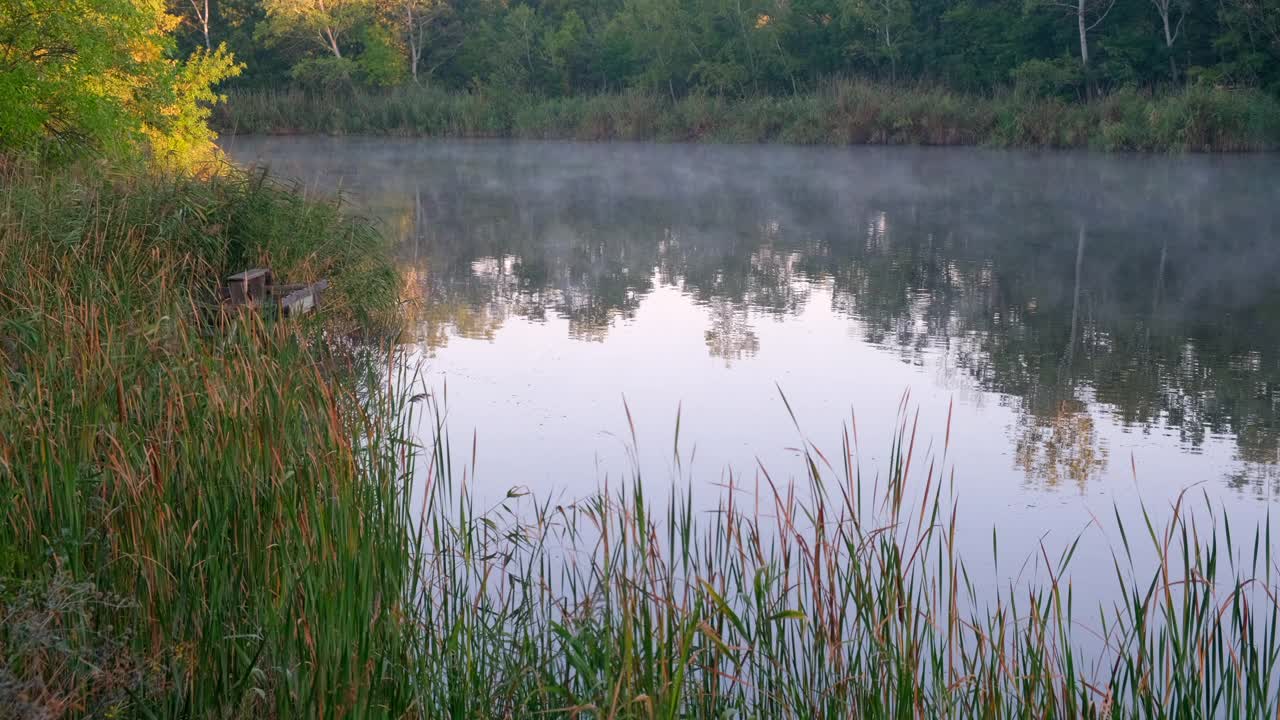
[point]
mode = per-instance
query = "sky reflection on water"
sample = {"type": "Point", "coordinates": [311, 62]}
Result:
{"type": "Point", "coordinates": [1107, 327]}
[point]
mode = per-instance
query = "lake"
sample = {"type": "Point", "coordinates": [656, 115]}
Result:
{"type": "Point", "coordinates": [1101, 329]}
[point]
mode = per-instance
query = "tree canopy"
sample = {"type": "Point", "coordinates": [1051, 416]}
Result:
{"type": "Point", "coordinates": [117, 75]}
{"type": "Point", "coordinates": [559, 47]}
{"type": "Point", "coordinates": [104, 74]}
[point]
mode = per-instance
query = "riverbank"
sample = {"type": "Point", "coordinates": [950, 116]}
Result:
{"type": "Point", "coordinates": [843, 113]}
{"type": "Point", "coordinates": [199, 517]}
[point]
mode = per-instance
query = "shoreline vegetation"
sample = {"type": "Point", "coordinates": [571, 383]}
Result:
{"type": "Point", "coordinates": [840, 594]}
{"type": "Point", "coordinates": [196, 510]}
{"type": "Point", "coordinates": [234, 517]}
{"type": "Point", "coordinates": [1189, 119]}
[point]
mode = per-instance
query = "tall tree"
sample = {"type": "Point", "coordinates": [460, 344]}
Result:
{"type": "Point", "coordinates": [565, 48]}
{"type": "Point", "coordinates": [418, 17]}
{"type": "Point", "coordinates": [659, 42]}
{"type": "Point", "coordinates": [1088, 15]}
{"type": "Point", "coordinates": [887, 20]}
{"type": "Point", "coordinates": [325, 21]}
{"type": "Point", "coordinates": [1167, 8]}
{"type": "Point", "coordinates": [523, 28]}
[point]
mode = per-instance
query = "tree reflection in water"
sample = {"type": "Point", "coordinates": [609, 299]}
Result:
{"type": "Point", "coordinates": [1069, 284]}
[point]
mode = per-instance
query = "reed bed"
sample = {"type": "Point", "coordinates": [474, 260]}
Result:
{"type": "Point", "coordinates": [840, 112]}
{"type": "Point", "coordinates": [839, 596]}
{"type": "Point", "coordinates": [199, 517]}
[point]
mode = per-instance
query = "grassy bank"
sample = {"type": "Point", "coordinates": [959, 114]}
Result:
{"type": "Point", "coordinates": [842, 113]}
{"type": "Point", "coordinates": [216, 521]}
{"type": "Point", "coordinates": [198, 518]}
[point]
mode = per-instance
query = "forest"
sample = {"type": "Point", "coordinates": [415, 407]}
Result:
{"type": "Point", "coordinates": [1066, 48]}
{"type": "Point", "coordinates": [1131, 75]}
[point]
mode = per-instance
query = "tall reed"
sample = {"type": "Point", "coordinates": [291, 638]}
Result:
{"type": "Point", "coordinates": [200, 516]}
{"type": "Point", "coordinates": [840, 596]}
{"type": "Point", "coordinates": [840, 112]}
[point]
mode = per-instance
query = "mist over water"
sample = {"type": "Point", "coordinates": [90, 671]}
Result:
{"type": "Point", "coordinates": [1102, 328]}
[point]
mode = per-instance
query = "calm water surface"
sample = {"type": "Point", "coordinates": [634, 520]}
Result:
{"type": "Point", "coordinates": [1104, 327]}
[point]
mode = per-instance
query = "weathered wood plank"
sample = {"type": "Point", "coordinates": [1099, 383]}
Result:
{"type": "Point", "coordinates": [249, 286]}
{"type": "Point", "coordinates": [303, 300]}
{"type": "Point", "coordinates": [255, 288]}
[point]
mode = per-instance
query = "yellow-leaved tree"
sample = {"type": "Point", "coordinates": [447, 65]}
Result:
{"type": "Point", "coordinates": [80, 76]}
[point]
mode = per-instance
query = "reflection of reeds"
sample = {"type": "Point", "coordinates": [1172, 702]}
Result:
{"type": "Point", "coordinates": [841, 598]}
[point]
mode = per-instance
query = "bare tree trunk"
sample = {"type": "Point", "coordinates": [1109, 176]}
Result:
{"type": "Point", "coordinates": [333, 42]}
{"type": "Point", "coordinates": [893, 56]}
{"type": "Point", "coordinates": [414, 44]}
{"type": "Point", "coordinates": [327, 33]}
{"type": "Point", "coordinates": [1168, 46]}
{"type": "Point", "coordinates": [528, 52]}
{"type": "Point", "coordinates": [1084, 47]}
{"type": "Point", "coordinates": [201, 8]}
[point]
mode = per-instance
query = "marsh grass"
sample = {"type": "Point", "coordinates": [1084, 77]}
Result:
{"type": "Point", "coordinates": [842, 595]}
{"type": "Point", "coordinates": [839, 112]}
{"type": "Point", "coordinates": [233, 485]}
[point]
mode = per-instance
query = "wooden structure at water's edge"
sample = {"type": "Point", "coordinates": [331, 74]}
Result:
{"type": "Point", "coordinates": [256, 289]}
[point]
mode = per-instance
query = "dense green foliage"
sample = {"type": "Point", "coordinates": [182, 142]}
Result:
{"type": "Point", "coordinates": [100, 75]}
{"type": "Point", "coordinates": [840, 113]}
{"type": "Point", "coordinates": [1059, 48]}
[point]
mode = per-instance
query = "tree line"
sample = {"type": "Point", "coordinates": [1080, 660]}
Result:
{"type": "Point", "coordinates": [1069, 48]}
{"type": "Point", "coordinates": [126, 74]}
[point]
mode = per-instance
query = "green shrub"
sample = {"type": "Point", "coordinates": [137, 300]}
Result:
{"type": "Point", "coordinates": [380, 63]}
{"type": "Point", "coordinates": [1060, 77]}
{"type": "Point", "coordinates": [325, 73]}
